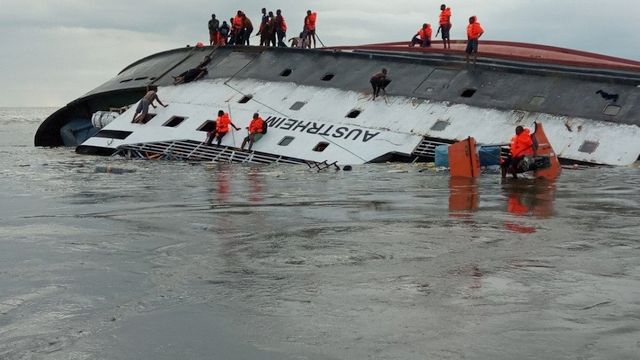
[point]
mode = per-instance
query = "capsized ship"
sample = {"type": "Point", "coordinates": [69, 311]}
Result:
{"type": "Point", "coordinates": [319, 107]}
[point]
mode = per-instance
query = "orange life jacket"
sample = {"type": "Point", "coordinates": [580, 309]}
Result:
{"type": "Point", "coordinates": [445, 16]}
{"type": "Point", "coordinates": [283, 25]}
{"type": "Point", "coordinates": [474, 31]}
{"type": "Point", "coordinates": [256, 125]}
{"type": "Point", "coordinates": [425, 33]}
{"type": "Point", "coordinates": [238, 23]}
{"type": "Point", "coordinates": [522, 145]}
{"type": "Point", "coordinates": [222, 123]}
{"type": "Point", "coordinates": [310, 21]}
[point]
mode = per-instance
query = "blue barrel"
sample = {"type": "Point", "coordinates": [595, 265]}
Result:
{"type": "Point", "coordinates": [489, 155]}
{"type": "Point", "coordinates": [442, 156]}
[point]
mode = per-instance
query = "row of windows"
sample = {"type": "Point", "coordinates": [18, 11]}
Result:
{"type": "Point", "coordinates": [207, 126]}
{"type": "Point", "coordinates": [610, 109]}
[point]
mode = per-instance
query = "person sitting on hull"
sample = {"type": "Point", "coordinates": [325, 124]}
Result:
{"type": "Point", "coordinates": [422, 37]}
{"type": "Point", "coordinates": [143, 106]}
{"type": "Point", "coordinates": [256, 130]}
{"type": "Point", "coordinates": [521, 146]}
{"type": "Point", "coordinates": [222, 125]}
{"type": "Point", "coordinates": [379, 81]}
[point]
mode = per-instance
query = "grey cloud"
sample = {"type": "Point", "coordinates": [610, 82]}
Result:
{"type": "Point", "coordinates": [55, 50]}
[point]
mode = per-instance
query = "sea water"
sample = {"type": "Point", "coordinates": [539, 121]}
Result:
{"type": "Point", "coordinates": [175, 260]}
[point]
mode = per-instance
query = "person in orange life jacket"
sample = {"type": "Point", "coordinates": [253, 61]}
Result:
{"type": "Point", "coordinates": [521, 146]}
{"type": "Point", "coordinates": [379, 82]}
{"type": "Point", "coordinates": [445, 25]}
{"type": "Point", "coordinates": [255, 129]}
{"type": "Point", "coordinates": [248, 29]}
{"type": "Point", "coordinates": [474, 31]}
{"type": "Point", "coordinates": [238, 29]}
{"type": "Point", "coordinates": [422, 37]}
{"type": "Point", "coordinates": [222, 127]}
{"type": "Point", "coordinates": [310, 27]}
{"type": "Point", "coordinates": [280, 28]}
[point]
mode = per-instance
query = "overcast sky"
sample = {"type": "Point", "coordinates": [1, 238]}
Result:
{"type": "Point", "coordinates": [53, 51]}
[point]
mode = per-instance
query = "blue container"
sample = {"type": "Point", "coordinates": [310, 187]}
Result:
{"type": "Point", "coordinates": [489, 155]}
{"type": "Point", "coordinates": [442, 156]}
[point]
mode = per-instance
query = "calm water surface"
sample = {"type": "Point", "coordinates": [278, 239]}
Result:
{"type": "Point", "coordinates": [200, 261]}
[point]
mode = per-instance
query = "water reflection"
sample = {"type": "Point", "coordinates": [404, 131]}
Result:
{"type": "Point", "coordinates": [528, 197]}
{"type": "Point", "coordinates": [255, 185]}
{"type": "Point", "coordinates": [463, 196]}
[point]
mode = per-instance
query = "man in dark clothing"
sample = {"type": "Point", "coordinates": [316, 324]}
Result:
{"type": "Point", "coordinates": [379, 82]}
{"type": "Point", "coordinates": [214, 24]}
{"type": "Point", "coordinates": [190, 75]}
{"type": "Point", "coordinates": [248, 28]}
{"type": "Point", "coordinates": [263, 24]}
{"type": "Point", "coordinates": [223, 33]}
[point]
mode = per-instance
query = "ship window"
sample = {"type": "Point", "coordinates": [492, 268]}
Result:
{"type": "Point", "coordinates": [127, 80]}
{"type": "Point", "coordinates": [245, 99]}
{"type": "Point", "coordinates": [286, 72]}
{"type": "Point", "coordinates": [354, 113]}
{"type": "Point", "coordinates": [321, 146]}
{"type": "Point", "coordinates": [611, 110]}
{"type": "Point", "coordinates": [140, 78]}
{"type": "Point", "coordinates": [297, 105]}
{"type": "Point", "coordinates": [207, 126]}
{"type": "Point", "coordinates": [148, 118]}
{"type": "Point", "coordinates": [468, 93]}
{"type": "Point", "coordinates": [439, 125]}
{"type": "Point", "coordinates": [588, 147]}
{"type": "Point", "coordinates": [328, 77]}
{"type": "Point", "coordinates": [174, 121]}
{"type": "Point", "coordinates": [113, 134]}
{"type": "Point", "coordinates": [536, 100]}
{"type": "Point", "coordinates": [286, 140]}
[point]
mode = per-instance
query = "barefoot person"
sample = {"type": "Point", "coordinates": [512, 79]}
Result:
{"type": "Point", "coordinates": [143, 106]}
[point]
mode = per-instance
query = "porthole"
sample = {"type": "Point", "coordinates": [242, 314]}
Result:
{"type": "Point", "coordinates": [207, 126]}
{"type": "Point", "coordinates": [297, 105]}
{"type": "Point", "coordinates": [140, 78]}
{"type": "Point", "coordinates": [467, 93]}
{"type": "Point", "coordinates": [328, 77]}
{"type": "Point", "coordinates": [245, 99]}
{"type": "Point", "coordinates": [286, 140]}
{"type": "Point", "coordinates": [321, 146]}
{"type": "Point", "coordinates": [536, 100]}
{"type": "Point", "coordinates": [113, 134]}
{"type": "Point", "coordinates": [439, 125]}
{"type": "Point", "coordinates": [611, 110]}
{"type": "Point", "coordinates": [286, 72]}
{"type": "Point", "coordinates": [174, 121]}
{"type": "Point", "coordinates": [147, 118]}
{"type": "Point", "coordinates": [589, 147]}
{"type": "Point", "coordinates": [353, 113]}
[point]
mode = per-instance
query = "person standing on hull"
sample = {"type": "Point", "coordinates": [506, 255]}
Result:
{"type": "Point", "coordinates": [223, 33]}
{"type": "Point", "coordinates": [256, 130]}
{"type": "Point", "coordinates": [222, 125]}
{"type": "Point", "coordinates": [248, 29]}
{"type": "Point", "coordinates": [474, 31]}
{"type": "Point", "coordinates": [521, 146]}
{"type": "Point", "coordinates": [214, 26]}
{"type": "Point", "coordinates": [379, 81]}
{"type": "Point", "coordinates": [310, 27]}
{"type": "Point", "coordinates": [143, 105]}
{"type": "Point", "coordinates": [261, 30]}
{"type": "Point", "coordinates": [422, 37]}
{"type": "Point", "coordinates": [237, 22]}
{"type": "Point", "coordinates": [445, 25]}
{"type": "Point", "coordinates": [281, 28]}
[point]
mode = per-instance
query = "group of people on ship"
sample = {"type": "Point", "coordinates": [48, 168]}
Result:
{"type": "Point", "coordinates": [474, 32]}
{"type": "Point", "coordinates": [272, 30]}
